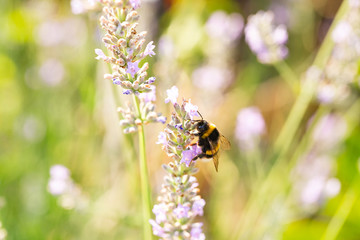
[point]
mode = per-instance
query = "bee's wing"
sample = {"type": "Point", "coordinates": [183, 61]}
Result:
{"type": "Point", "coordinates": [216, 161]}
{"type": "Point", "coordinates": [224, 143]}
{"type": "Point", "coordinates": [215, 153]}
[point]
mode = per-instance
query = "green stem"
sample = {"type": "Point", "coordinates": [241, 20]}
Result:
{"type": "Point", "coordinates": [144, 177]}
{"type": "Point", "coordinates": [342, 212]}
{"type": "Point", "coordinates": [308, 89]}
{"type": "Point", "coordinates": [288, 75]}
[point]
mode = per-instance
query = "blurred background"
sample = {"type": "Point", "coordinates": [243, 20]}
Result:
{"type": "Point", "coordinates": [56, 108]}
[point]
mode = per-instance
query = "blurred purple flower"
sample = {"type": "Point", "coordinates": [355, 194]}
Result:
{"type": "Point", "coordinates": [100, 54]}
{"type": "Point", "coordinates": [160, 212]}
{"type": "Point", "coordinates": [157, 229]}
{"type": "Point", "coordinates": [151, 80]}
{"type": "Point", "coordinates": [330, 130]}
{"type": "Point", "coordinates": [223, 26]}
{"type": "Point", "coordinates": [172, 95]}
{"type": "Point", "coordinates": [117, 81]}
{"type": "Point", "coordinates": [59, 179]}
{"type": "Point", "coordinates": [188, 155]}
{"type": "Point", "coordinates": [354, 3]}
{"type": "Point", "coordinates": [198, 207]}
{"type": "Point", "coordinates": [250, 125]}
{"type": "Point", "coordinates": [181, 211]}
{"type": "Point", "coordinates": [161, 119]}
{"type": "Point", "coordinates": [212, 78]}
{"type": "Point", "coordinates": [341, 32]}
{"type": "Point", "coordinates": [135, 3]}
{"type": "Point", "coordinates": [59, 171]}
{"type": "Point", "coordinates": [127, 92]}
{"type": "Point", "coordinates": [149, 49]}
{"type": "Point", "coordinates": [57, 186]}
{"type": "Point", "coordinates": [196, 232]}
{"type": "Point", "coordinates": [132, 68]}
{"type": "Point", "coordinates": [149, 96]}
{"type": "Point", "coordinates": [191, 109]}
{"type": "Point", "coordinates": [52, 72]}
{"type": "Point", "coordinates": [162, 139]}
{"type": "Point", "coordinates": [264, 39]}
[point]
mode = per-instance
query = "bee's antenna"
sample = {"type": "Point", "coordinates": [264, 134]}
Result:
{"type": "Point", "coordinates": [200, 115]}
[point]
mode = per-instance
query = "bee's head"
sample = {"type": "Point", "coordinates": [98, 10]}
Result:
{"type": "Point", "coordinates": [202, 125]}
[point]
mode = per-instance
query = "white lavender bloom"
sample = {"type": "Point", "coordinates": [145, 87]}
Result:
{"type": "Point", "coordinates": [62, 186]}
{"type": "Point", "coordinates": [223, 26]}
{"type": "Point", "coordinates": [314, 181]}
{"type": "Point", "coordinates": [212, 78]}
{"type": "Point", "coordinates": [179, 203]}
{"type": "Point", "coordinates": [265, 39]}
{"type": "Point", "coordinates": [250, 126]}
{"type": "Point", "coordinates": [3, 232]}
{"type": "Point", "coordinates": [330, 130]}
{"type": "Point", "coordinates": [83, 6]}
{"type": "Point", "coordinates": [341, 70]}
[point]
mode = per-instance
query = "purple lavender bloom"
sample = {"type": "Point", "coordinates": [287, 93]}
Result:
{"type": "Point", "coordinates": [133, 68]}
{"type": "Point", "coordinates": [188, 155]}
{"type": "Point", "coordinates": [149, 49]}
{"type": "Point", "coordinates": [196, 232]}
{"type": "Point", "coordinates": [192, 110]}
{"type": "Point", "coordinates": [212, 78]}
{"type": "Point", "coordinates": [127, 92]}
{"type": "Point", "coordinates": [172, 95]}
{"type": "Point", "coordinates": [100, 54]}
{"type": "Point", "coordinates": [265, 39]}
{"type": "Point", "coordinates": [162, 139]}
{"type": "Point", "coordinates": [181, 211]}
{"type": "Point", "coordinates": [135, 3]}
{"type": "Point", "coordinates": [161, 119]}
{"type": "Point", "coordinates": [116, 81]}
{"type": "Point", "coordinates": [151, 80]}
{"type": "Point", "coordinates": [149, 96]}
{"type": "Point", "coordinates": [223, 26]}
{"type": "Point", "coordinates": [250, 125]}
{"type": "Point", "coordinates": [157, 229]}
{"type": "Point", "coordinates": [329, 131]}
{"type": "Point", "coordinates": [198, 207]}
{"type": "Point", "coordinates": [160, 212]}
{"type": "Point", "coordinates": [59, 171]}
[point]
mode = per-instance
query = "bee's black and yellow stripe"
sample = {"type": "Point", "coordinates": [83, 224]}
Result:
{"type": "Point", "coordinates": [209, 141]}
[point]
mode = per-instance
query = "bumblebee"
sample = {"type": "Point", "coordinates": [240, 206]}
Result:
{"type": "Point", "coordinates": [210, 140]}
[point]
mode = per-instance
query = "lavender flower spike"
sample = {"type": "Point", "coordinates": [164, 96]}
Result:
{"type": "Point", "coordinates": [265, 39]}
{"type": "Point", "coordinates": [179, 203]}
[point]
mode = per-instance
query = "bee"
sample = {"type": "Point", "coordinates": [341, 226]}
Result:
{"type": "Point", "coordinates": [210, 140]}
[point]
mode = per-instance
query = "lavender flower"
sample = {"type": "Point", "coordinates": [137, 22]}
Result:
{"type": "Point", "coordinates": [212, 78]}
{"type": "Point", "coordinates": [330, 130]}
{"type": "Point", "coordinates": [250, 125]}
{"type": "Point", "coordinates": [225, 27]}
{"type": "Point", "coordinates": [191, 109]}
{"type": "Point", "coordinates": [314, 182]}
{"type": "Point", "coordinates": [126, 52]}
{"type": "Point", "coordinates": [179, 203]}
{"type": "Point", "coordinates": [149, 49]}
{"type": "Point", "coordinates": [342, 67]}
{"type": "Point", "coordinates": [172, 95]}
{"type": "Point", "coordinates": [133, 68]}
{"type": "Point", "coordinates": [188, 155]}
{"type": "Point", "coordinates": [62, 186]}
{"type": "Point", "coordinates": [265, 39]}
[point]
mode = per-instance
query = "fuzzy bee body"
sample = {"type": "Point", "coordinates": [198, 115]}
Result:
{"type": "Point", "coordinates": [210, 140]}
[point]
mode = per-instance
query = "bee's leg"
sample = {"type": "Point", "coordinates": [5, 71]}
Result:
{"type": "Point", "coordinates": [198, 156]}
